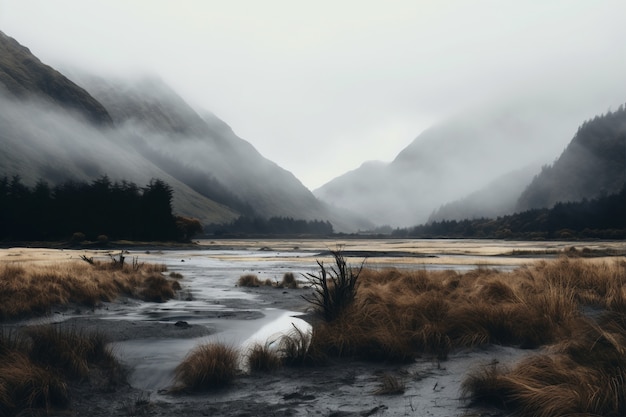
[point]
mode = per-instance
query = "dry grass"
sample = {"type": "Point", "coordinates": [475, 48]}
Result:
{"type": "Point", "coordinates": [399, 315]}
{"type": "Point", "coordinates": [68, 350]}
{"type": "Point", "coordinates": [390, 385]}
{"type": "Point", "coordinates": [250, 280]}
{"type": "Point", "coordinates": [584, 369]}
{"type": "Point", "coordinates": [33, 289]}
{"type": "Point", "coordinates": [207, 367]}
{"type": "Point", "coordinates": [35, 367]}
{"type": "Point", "coordinates": [263, 358]}
{"type": "Point", "coordinates": [288, 281]}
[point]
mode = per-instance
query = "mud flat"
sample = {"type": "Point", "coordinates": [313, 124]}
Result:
{"type": "Point", "coordinates": [151, 338]}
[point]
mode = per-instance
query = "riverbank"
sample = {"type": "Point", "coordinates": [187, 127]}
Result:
{"type": "Point", "coordinates": [213, 307]}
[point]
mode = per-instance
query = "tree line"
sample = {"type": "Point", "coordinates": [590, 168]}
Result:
{"type": "Point", "coordinates": [245, 225]}
{"type": "Point", "coordinates": [600, 218]}
{"type": "Point", "coordinates": [98, 210]}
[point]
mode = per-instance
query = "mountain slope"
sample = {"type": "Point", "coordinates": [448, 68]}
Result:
{"type": "Point", "coordinates": [23, 76]}
{"type": "Point", "coordinates": [446, 162]}
{"type": "Point", "coordinates": [592, 165]}
{"type": "Point", "coordinates": [498, 198]}
{"type": "Point", "coordinates": [138, 130]}
{"type": "Point", "coordinates": [205, 153]}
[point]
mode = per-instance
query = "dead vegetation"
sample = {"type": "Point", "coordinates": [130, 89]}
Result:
{"type": "Point", "coordinates": [36, 367]}
{"type": "Point", "coordinates": [400, 315]}
{"type": "Point", "coordinates": [207, 367]}
{"type": "Point", "coordinates": [252, 280]}
{"type": "Point", "coordinates": [32, 289]}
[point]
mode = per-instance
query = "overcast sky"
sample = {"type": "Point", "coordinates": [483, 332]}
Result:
{"type": "Point", "coordinates": [321, 86]}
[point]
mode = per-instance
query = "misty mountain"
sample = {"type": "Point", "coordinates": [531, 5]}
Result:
{"type": "Point", "coordinates": [447, 162]}
{"type": "Point", "coordinates": [23, 75]}
{"type": "Point", "coordinates": [592, 165]}
{"type": "Point", "coordinates": [142, 130]}
{"type": "Point", "coordinates": [205, 153]}
{"type": "Point", "coordinates": [498, 198]}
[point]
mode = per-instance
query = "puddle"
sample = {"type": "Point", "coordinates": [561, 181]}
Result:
{"type": "Point", "coordinates": [153, 361]}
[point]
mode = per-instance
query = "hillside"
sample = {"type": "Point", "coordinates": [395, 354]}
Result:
{"type": "Point", "coordinates": [592, 165]}
{"type": "Point", "coordinates": [496, 199]}
{"type": "Point", "coordinates": [23, 75]}
{"type": "Point", "coordinates": [144, 131]}
{"type": "Point", "coordinates": [447, 162]}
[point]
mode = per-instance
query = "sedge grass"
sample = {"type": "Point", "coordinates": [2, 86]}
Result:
{"type": "Point", "coordinates": [37, 364]}
{"type": "Point", "coordinates": [207, 367]}
{"type": "Point", "coordinates": [32, 289]}
{"type": "Point", "coordinates": [263, 358]}
{"type": "Point", "coordinates": [398, 315]}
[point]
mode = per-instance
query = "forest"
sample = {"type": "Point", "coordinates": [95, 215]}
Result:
{"type": "Point", "coordinates": [247, 226]}
{"type": "Point", "coordinates": [599, 218]}
{"type": "Point", "coordinates": [96, 211]}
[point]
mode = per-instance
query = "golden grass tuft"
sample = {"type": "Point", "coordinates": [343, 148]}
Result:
{"type": "Point", "coordinates": [33, 289]}
{"type": "Point", "coordinates": [263, 358]}
{"type": "Point", "coordinates": [207, 367]}
{"type": "Point", "coordinates": [288, 281]}
{"type": "Point", "coordinates": [35, 366]}
{"type": "Point", "coordinates": [399, 315]}
{"type": "Point", "coordinates": [68, 349]}
{"type": "Point", "coordinates": [249, 280]}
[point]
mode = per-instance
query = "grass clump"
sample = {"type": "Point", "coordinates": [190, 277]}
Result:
{"type": "Point", "coordinates": [68, 350]}
{"type": "Point", "coordinates": [37, 365]}
{"type": "Point", "coordinates": [400, 315]}
{"type": "Point", "coordinates": [207, 367]}
{"type": "Point", "coordinates": [249, 280]}
{"type": "Point", "coordinates": [33, 289]}
{"type": "Point", "coordinates": [288, 281]}
{"type": "Point", "coordinates": [263, 358]}
{"type": "Point", "coordinates": [390, 385]}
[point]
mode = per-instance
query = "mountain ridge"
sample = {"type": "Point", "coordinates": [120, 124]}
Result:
{"type": "Point", "coordinates": [138, 132]}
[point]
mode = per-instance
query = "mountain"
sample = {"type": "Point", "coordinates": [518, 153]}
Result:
{"type": "Point", "coordinates": [498, 198]}
{"type": "Point", "coordinates": [23, 75]}
{"type": "Point", "coordinates": [446, 162]}
{"type": "Point", "coordinates": [592, 165]}
{"type": "Point", "coordinates": [136, 130]}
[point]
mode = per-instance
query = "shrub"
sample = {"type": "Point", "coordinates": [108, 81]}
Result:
{"type": "Point", "coordinates": [206, 367]}
{"type": "Point", "coordinates": [334, 288]}
{"type": "Point", "coordinates": [78, 237]}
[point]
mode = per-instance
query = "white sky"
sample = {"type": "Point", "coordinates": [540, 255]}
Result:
{"type": "Point", "coordinates": [321, 86]}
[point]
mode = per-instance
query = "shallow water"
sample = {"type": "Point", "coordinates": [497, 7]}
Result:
{"type": "Point", "coordinates": [209, 281]}
{"type": "Point", "coordinates": [209, 291]}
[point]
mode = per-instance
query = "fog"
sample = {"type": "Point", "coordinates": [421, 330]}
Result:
{"type": "Point", "coordinates": [454, 159]}
{"type": "Point", "coordinates": [42, 141]}
{"type": "Point", "coordinates": [319, 88]}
